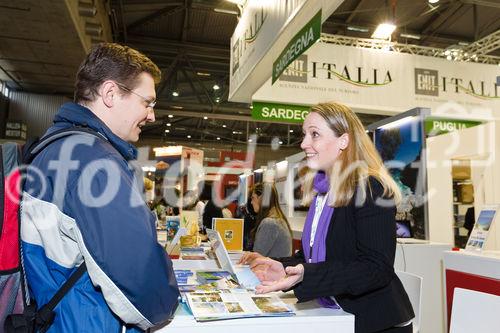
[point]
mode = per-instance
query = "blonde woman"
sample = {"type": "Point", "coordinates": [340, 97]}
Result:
{"type": "Point", "coordinates": [349, 237]}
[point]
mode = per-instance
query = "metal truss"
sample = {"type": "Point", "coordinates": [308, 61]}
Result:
{"type": "Point", "coordinates": [477, 52]}
{"type": "Point", "coordinates": [485, 45]}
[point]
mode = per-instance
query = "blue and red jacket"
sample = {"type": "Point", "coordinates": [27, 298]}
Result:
{"type": "Point", "coordinates": [81, 202]}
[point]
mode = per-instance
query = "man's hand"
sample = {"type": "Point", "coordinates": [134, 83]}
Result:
{"type": "Point", "coordinates": [294, 275]}
{"type": "Point", "coordinates": [248, 257]}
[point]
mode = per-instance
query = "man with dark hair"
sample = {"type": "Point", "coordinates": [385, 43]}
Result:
{"type": "Point", "coordinates": [82, 204]}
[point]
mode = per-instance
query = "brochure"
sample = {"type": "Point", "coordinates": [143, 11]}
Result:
{"type": "Point", "coordinates": [172, 224]}
{"type": "Point", "coordinates": [231, 232]}
{"type": "Point", "coordinates": [479, 234]}
{"type": "Point", "coordinates": [235, 303]}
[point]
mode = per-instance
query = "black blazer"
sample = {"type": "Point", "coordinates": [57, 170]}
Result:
{"type": "Point", "coordinates": [359, 265]}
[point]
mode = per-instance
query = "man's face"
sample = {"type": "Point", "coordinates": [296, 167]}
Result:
{"type": "Point", "coordinates": [132, 110]}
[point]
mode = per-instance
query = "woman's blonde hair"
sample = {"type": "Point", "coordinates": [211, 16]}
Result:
{"type": "Point", "coordinates": [358, 161]}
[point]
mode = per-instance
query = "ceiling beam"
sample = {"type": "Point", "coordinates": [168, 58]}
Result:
{"type": "Point", "coordinates": [168, 10]}
{"type": "Point", "coordinates": [165, 43]}
{"type": "Point", "coordinates": [354, 11]}
{"type": "Point", "coordinates": [185, 23]}
{"type": "Point", "coordinates": [492, 4]}
{"type": "Point", "coordinates": [442, 18]}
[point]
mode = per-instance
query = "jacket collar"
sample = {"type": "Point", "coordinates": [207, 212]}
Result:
{"type": "Point", "coordinates": [73, 114]}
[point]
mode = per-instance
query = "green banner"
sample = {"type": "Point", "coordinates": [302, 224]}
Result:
{"type": "Point", "coordinates": [438, 126]}
{"type": "Point", "coordinates": [279, 112]}
{"type": "Point", "coordinates": [306, 37]}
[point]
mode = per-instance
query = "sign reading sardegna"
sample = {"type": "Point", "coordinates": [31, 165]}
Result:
{"type": "Point", "coordinates": [304, 39]}
{"type": "Point", "coordinates": [279, 112]}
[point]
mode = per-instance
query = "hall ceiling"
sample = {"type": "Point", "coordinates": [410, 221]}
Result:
{"type": "Point", "coordinates": [190, 42]}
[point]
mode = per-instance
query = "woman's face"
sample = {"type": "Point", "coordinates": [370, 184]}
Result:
{"type": "Point", "coordinates": [256, 201]}
{"type": "Point", "coordinates": [320, 144]}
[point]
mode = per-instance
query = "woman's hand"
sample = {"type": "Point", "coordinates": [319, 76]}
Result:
{"type": "Point", "coordinates": [294, 275]}
{"type": "Point", "coordinates": [248, 257]}
{"type": "Point", "coordinates": [267, 269]}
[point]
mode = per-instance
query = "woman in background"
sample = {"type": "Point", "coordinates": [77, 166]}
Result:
{"type": "Point", "coordinates": [271, 235]}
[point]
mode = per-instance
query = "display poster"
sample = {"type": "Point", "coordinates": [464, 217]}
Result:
{"type": "Point", "coordinates": [231, 232]}
{"type": "Point", "coordinates": [400, 148]}
{"type": "Point", "coordinates": [383, 82]}
{"type": "Point", "coordinates": [479, 234]}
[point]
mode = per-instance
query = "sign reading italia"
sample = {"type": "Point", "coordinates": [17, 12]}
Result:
{"type": "Point", "coordinates": [437, 126]}
{"type": "Point", "coordinates": [306, 37]}
{"type": "Point", "coordinates": [279, 112]}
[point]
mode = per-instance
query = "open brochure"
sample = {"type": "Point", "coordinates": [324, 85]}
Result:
{"type": "Point", "coordinates": [220, 296]}
{"type": "Point", "coordinates": [234, 303]}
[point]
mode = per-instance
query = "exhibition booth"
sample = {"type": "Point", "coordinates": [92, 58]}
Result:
{"type": "Point", "coordinates": [440, 144]}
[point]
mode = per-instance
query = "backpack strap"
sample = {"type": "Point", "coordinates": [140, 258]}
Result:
{"type": "Point", "coordinates": [34, 148]}
{"type": "Point", "coordinates": [45, 315]}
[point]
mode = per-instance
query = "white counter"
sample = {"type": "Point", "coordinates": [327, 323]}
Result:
{"type": "Point", "coordinates": [310, 316]}
{"type": "Point", "coordinates": [473, 271]}
{"type": "Point", "coordinates": [486, 263]}
{"type": "Point", "coordinates": [426, 260]}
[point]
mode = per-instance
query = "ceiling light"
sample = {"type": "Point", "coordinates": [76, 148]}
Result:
{"type": "Point", "coordinates": [411, 36]}
{"type": "Point", "coordinates": [202, 74]}
{"type": "Point", "coordinates": [433, 1]}
{"type": "Point", "coordinates": [218, 138]}
{"type": "Point", "coordinates": [177, 107]}
{"type": "Point", "coordinates": [217, 100]}
{"type": "Point", "coordinates": [238, 2]}
{"type": "Point", "coordinates": [224, 126]}
{"type": "Point", "coordinates": [167, 131]}
{"type": "Point", "coordinates": [249, 140]}
{"type": "Point", "coordinates": [358, 29]}
{"type": "Point", "coordinates": [205, 117]}
{"type": "Point", "coordinates": [397, 123]}
{"type": "Point", "coordinates": [170, 115]}
{"type": "Point", "coordinates": [169, 124]}
{"type": "Point", "coordinates": [226, 11]}
{"type": "Point", "coordinates": [291, 131]}
{"type": "Point", "coordinates": [280, 142]}
{"type": "Point", "coordinates": [384, 31]}
{"type": "Point", "coordinates": [189, 136]}
{"type": "Point", "coordinates": [216, 87]}
{"type": "Point", "coordinates": [175, 93]}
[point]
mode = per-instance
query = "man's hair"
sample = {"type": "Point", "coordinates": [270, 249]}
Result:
{"type": "Point", "coordinates": [111, 61]}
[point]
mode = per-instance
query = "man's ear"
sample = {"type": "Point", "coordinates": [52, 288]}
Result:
{"type": "Point", "coordinates": [344, 141]}
{"type": "Point", "coordinates": [108, 92]}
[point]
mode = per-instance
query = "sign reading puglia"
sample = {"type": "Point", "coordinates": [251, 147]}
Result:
{"type": "Point", "coordinates": [437, 126]}
{"type": "Point", "coordinates": [279, 112]}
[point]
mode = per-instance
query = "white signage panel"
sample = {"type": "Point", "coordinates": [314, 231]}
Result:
{"type": "Point", "coordinates": [382, 82]}
{"type": "Point", "coordinates": [263, 31]}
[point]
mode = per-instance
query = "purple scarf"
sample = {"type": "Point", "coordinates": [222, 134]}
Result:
{"type": "Point", "coordinates": [321, 185]}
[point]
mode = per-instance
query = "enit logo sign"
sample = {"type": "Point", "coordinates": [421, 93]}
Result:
{"type": "Point", "coordinates": [296, 71]}
{"type": "Point", "coordinates": [426, 82]}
